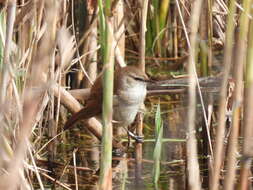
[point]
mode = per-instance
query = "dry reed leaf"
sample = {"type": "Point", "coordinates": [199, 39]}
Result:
{"type": "Point", "coordinates": [66, 43]}
{"type": "Point", "coordinates": [5, 150]}
{"type": "Point", "coordinates": [219, 21]}
{"type": "Point", "coordinates": [25, 13]}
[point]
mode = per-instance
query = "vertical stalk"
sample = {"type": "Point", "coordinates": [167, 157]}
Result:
{"type": "Point", "coordinates": [210, 35]}
{"type": "Point", "coordinates": [157, 25]}
{"type": "Point", "coordinates": [92, 58]}
{"type": "Point", "coordinates": [239, 64]}
{"type": "Point", "coordinates": [203, 39]}
{"type": "Point", "coordinates": [139, 129]}
{"type": "Point", "coordinates": [218, 152]}
{"type": "Point", "coordinates": [163, 12]}
{"type": "Point", "coordinates": [158, 145]}
{"type": "Point", "coordinates": [192, 153]}
{"type": "Point", "coordinates": [2, 31]}
{"type": "Point", "coordinates": [164, 7]}
{"type": "Point", "coordinates": [205, 53]}
{"type": "Point", "coordinates": [5, 76]}
{"type": "Point", "coordinates": [248, 119]}
{"type": "Point", "coordinates": [106, 33]}
{"type": "Point", "coordinates": [119, 26]}
{"type": "Point", "coordinates": [143, 34]}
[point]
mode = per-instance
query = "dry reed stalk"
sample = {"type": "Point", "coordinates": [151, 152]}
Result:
{"type": "Point", "coordinates": [92, 68]}
{"type": "Point", "coordinates": [119, 37]}
{"type": "Point", "coordinates": [139, 128]}
{"type": "Point", "coordinates": [237, 104]}
{"type": "Point", "coordinates": [144, 11]}
{"type": "Point", "coordinates": [192, 153]}
{"type": "Point", "coordinates": [91, 44]}
{"type": "Point", "coordinates": [205, 56]}
{"type": "Point", "coordinates": [197, 82]}
{"type": "Point", "coordinates": [81, 70]}
{"type": "Point", "coordinates": [5, 73]}
{"type": "Point", "coordinates": [203, 30]}
{"type": "Point", "coordinates": [34, 94]}
{"type": "Point", "coordinates": [138, 150]}
{"type": "Point", "coordinates": [74, 106]}
{"type": "Point", "coordinates": [210, 34]}
{"type": "Point", "coordinates": [120, 27]}
{"type": "Point", "coordinates": [80, 94]}
{"type": "Point", "coordinates": [219, 140]}
{"type": "Point", "coordinates": [65, 43]}
{"type": "Point", "coordinates": [55, 181]}
{"type": "Point", "coordinates": [247, 119]}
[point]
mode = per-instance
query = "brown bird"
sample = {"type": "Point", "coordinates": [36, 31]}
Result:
{"type": "Point", "coordinates": [130, 88]}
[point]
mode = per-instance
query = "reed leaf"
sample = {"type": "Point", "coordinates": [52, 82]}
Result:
{"type": "Point", "coordinates": [158, 144]}
{"type": "Point", "coordinates": [106, 34]}
{"type": "Point", "coordinates": [164, 7]}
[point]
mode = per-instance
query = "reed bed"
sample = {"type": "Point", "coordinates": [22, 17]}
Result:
{"type": "Point", "coordinates": [51, 53]}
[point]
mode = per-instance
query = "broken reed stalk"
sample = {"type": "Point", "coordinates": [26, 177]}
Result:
{"type": "Point", "coordinates": [192, 152]}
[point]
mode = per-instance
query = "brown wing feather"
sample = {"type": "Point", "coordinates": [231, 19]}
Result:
{"type": "Point", "coordinates": [92, 108]}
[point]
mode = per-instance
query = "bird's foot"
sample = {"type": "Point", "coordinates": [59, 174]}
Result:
{"type": "Point", "coordinates": [138, 139]}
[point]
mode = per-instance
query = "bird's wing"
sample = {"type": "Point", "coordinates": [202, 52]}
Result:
{"type": "Point", "coordinates": [90, 110]}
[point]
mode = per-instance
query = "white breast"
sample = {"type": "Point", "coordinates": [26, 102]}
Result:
{"type": "Point", "coordinates": [128, 104]}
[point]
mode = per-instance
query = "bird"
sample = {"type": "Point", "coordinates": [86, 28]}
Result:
{"type": "Point", "coordinates": [129, 93]}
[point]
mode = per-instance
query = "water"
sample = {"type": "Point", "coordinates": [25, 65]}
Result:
{"type": "Point", "coordinates": [126, 174]}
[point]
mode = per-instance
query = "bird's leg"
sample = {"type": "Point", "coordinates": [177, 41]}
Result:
{"type": "Point", "coordinates": [138, 139]}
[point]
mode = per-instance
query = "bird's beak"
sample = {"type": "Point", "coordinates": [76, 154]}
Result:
{"type": "Point", "coordinates": [149, 81]}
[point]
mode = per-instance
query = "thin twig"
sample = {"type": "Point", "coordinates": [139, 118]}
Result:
{"type": "Point", "coordinates": [74, 161]}
{"type": "Point", "coordinates": [35, 169]}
